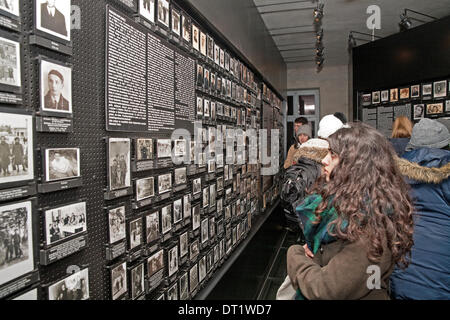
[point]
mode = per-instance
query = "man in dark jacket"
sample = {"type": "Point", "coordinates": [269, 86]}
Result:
{"type": "Point", "coordinates": [426, 166]}
{"type": "Point", "coordinates": [5, 154]}
{"type": "Point", "coordinates": [17, 152]}
{"type": "Point", "coordinates": [52, 19]}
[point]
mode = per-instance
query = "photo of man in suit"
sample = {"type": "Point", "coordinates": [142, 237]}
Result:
{"type": "Point", "coordinates": [53, 20]}
{"type": "Point", "coordinates": [54, 98]}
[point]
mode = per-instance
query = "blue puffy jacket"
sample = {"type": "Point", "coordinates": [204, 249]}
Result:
{"type": "Point", "coordinates": [428, 275]}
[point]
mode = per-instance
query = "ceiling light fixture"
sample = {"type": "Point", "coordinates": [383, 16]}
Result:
{"type": "Point", "coordinates": [318, 13]}
{"type": "Point", "coordinates": [406, 21]}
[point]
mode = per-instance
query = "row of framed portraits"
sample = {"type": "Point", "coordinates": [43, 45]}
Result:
{"type": "Point", "coordinates": [432, 90]}
{"type": "Point", "coordinates": [211, 109]}
{"type": "Point", "coordinates": [422, 110]}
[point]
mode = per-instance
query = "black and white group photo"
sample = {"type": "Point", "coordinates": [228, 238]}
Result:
{"type": "Point", "coordinates": [62, 163]}
{"type": "Point", "coordinates": [16, 148]}
{"type": "Point", "coordinates": [152, 226]}
{"type": "Point", "coordinates": [173, 260]}
{"type": "Point", "coordinates": [117, 230]}
{"type": "Point", "coordinates": [56, 87]}
{"type": "Point", "coordinates": [164, 183]}
{"type": "Point", "coordinates": [155, 263]}
{"type": "Point", "coordinates": [166, 217]}
{"type": "Point", "coordinates": [10, 6]}
{"type": "Point", "coordinates": [135, 233]}
{"type": "Point", "coordinates": [145, 188]}
{"type": "Point", "coordinates": [163, 12]}
{"type": "Point", "coordinates": [119, 281]}
{"type": "Point", "coordinates": [64, 222]}
{"type": "Point", "coordinates": [177, 210]}
{"type": "Point", "coordinates": [180, 176]}
{"type": "Point", "coordinates": [16, 249]}
{"type": "Point", "coordinates": [144, 149]}
{"type": "Point", "coordinates": [147, 9]}
{"type": "Point", "coordinates": [74, 287]}
{"type": "Point", "coordinates": [10, 71]}
{"type": "Point", "coordinates": [164, 148]}
{"type": "Point", "coordinates": [53, 17]}
{"type": "Point", "coordinates": [137, 281]}
{"type": "Point", "coordinates": [119, 163]}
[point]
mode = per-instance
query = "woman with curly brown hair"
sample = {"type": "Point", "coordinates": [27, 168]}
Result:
{"type": "Point", "coordinates": [358, 221]}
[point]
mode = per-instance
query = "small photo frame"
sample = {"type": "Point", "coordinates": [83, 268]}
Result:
{"type": "Point", "coordinates": [172, 292]}
{"type": "Point", "coordinates": [199, 106]}
{"type": "Point", "coordinates": [435, 108]}
{"type": "Point", "coordinates": [200, 75]}
{"type": "Point", "coordinates": [404, 93]}
{"type": "Point", "coordinates": [117, 224]}
{"type": "Point", "coordinates": [164, 183]}
{"type": "Point", "coordinates": [184, 248]}
{"type": "Point", "coordinates": [137, 281]}
{"type": "Point", "coordinates": [176, 22]}
{"type": "Point", "coordinates": [193, 278]}
{"type": "Point", "coordinates": [119, 284]}
{"type": "Point", "coordinates": [376, 97]}
{"type": "Point", "coordinates": [183, 286]}
{"type": "Point", "coordinates": [62, 164]}
{"type": "Point", "coordinates": [394, 95]}
{"type": "Point", "coordinates": [210, 48]}
{"type": "Point", "coordinates": [440, 89]}
{"type": "Point", "coordinates": [196, 186]}
{"type": "Point", "coordinates": [177, 210]}
{"type": "Point", "coordinates": [164, 148]}
{"type": "Point", "coordinates": [152, 227]}
{"type": "Point", "coordinates": [180, 148]}
{"type": "Point", "coordinates": [206, 110]}
{"type": "Point", "coordinates": [415, 91]}
{"type": "Point", "coordinates": [180, 176]}
{"type": "Point", "coordinates": [10, 63]}
{"type": "Point", "coordinates": [203, 43]}
{"type": "Point", "coordinates": [195, 217]}
{"type": "Point", "coordinates": [53, 18]}
{"type": "Point", "coordinates": [216, 54]}
{"type": "Point", "coordinates": [163, 12]}
{"type": "Point", "coordinates": [155, 263]}
{"type": "Point", "coordinates": [186, 26]}
{"type": "Point", "coordinates": [135, 233]}
{"type": "Point", "coordinates": [73, 287]}
{"type": "Point", "coordinates": [10, 6]}
{"type": "Point", "coordinates": [447, 106]}
{"type": "Point", "coordinates": [119, 159]}
{"type": "Point", "coordinates": [144, 149]}
{"type": "Point", "coordinates": [202, 269]}
{"type": "Point", "coordinates": [204, 231]}
{"type": "Point", "coordinates": [205, 197]}
{"type": "Point", "coordinates": [147, 9]}
{"type": "Point", "coordinates": [427, 89]}
{"type": "Point", "coordinates": [187, 206]}
{"type": "Point", "coordinates": [194, 250]}
{"type": "Point", "coordinates": [173, 260]}
{"type": "Point", "coordinates": [166, 218]}
{"type": "Point", "coordinates": [145, 188]}
{"type": "Point", "coordinates": [195, 37]}
{"type": "Point", "coordinates": [222, 58]}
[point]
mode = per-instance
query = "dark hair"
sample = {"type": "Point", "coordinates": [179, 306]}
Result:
{"type": "Point", "coordinates": [301, 120]}
{"type": "Point", "coordinates": [341, 117]}
{"type": "Point", "coordinates": [369, 193]}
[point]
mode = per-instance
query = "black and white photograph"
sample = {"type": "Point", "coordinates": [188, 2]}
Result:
{"type": "Point", "coordinates": [210, 261]}
{"type": "Point", "coordinates": [435, 108]}
{"type": "Point", "coordinates": [186, 29]}
{"type": "Point", "coordinates": [10, 70]}
{"type": "Point", "coordinates": [180, 148]}
{"type": "Point", "coordinates": [220, 205]}
{"type": "Point", "coordinates": [206, 79]}
{"type": "Point", "coordinates": [117, 230]}
{"type": "Point", "coordinates": [119, 163]}
{"type": "Point", "coordinates": [119, 281]}
{"type": "Point", "coordinates": [164, 148]}
{"type": "Point", "coordinates": [440, 89]}
{"type": "Point", "coordinates": [53, 17]}
{"type": "Point", "coordinates": [415, 91]}
{"type": "Point", "coordinates": [226, 172]}
{"type": "Point", "coordinates": [206, 108]}
{"type": "Point", "coordinates": [177, 210]}
{"type": "Point", "coordinates": [164, 183]}
{"type": "Point", "coordinates": [197, 186]}
{"type": "Point", "coordinates": [195, 217]}
{"type": "Point", "coordinates": [219, 161]}
{"type": "Point", "coordinates": [152, 227]}
{"type": "Point", "coordinates": [155, 263]}
{"type": "Point", "coordinates": [216, 54]}
{"type": "Point", "coordinates": [375, 97]}
{"type": "Point", "coordinates": [222, 58]}
{"type": "Point", "coordinates": [211, 166]}
{"type": "Point", "coordinates": [173, 260]}
{"type": "Point", "coordinates": [227, 61]}
{"type": "Point", "coordinates": [172, 292]}
{"type": "Point", "coordinates": [199, 106]}
{"type": "Point", "coordinates": [180, 176]}
{"type": "Point", "coordinates": [212, 227]}
{"type": "Point", "coordinates": [16, 148]}
{"type": "Point", "coordinates": [213, 107]}
{"type": "Point", "coordinates": [195, 37]}
{"type": "Point", "coordinates": [187, 206]}
{"type": "Point", "coordinates": [176, 22]}
{"type": "Point", "coordinates": [205, 197]}
{"type": "Point", "coordinates": [16, 252]}
{"type": "Point", "coordinates": [204, 231]}
{"type": "Point", "coordinates": [216, 253]}
{"type": "Point", "coordinates": [56, 87]}
{"type": "Point", "coordinates": [192, 151]}
{"type": "Point", "coordinates": [194, 250]}
{"type": "Point", "coordinates": [62, 163]}
{"type": "Point", "coordinates": [404, 93]}
{"type": "Point", "coordinates": [145, 188]}
{"type": "Point", "coordinates": [10, 6]}
{"type": "Point", "coordinates": [183, 244]}
{"type": "Point", "coordinates": [166, 217]}
{"type": "Point", "coordinates": [73, 287]}
{"type": "Point", "coordinates": [385, 96]}
{"type": "Point", "coordinates": [193, 278]}
{"type": "Point", "coordinates": [202, 43]}
{"type": "Point", "coordinates": [210, 48]}
{"type": "Point", "coordinates": [447, 106]}
{"type": "Point", "coordinates": [419, 111]}
{"type": "Point", "coordinates": [200, 75]}
{"type": "Point", "coordinates": [135, 233]}
{"type": "Point", "coordinates": [227, 212]}
{"type": "Point", "coordinates": [427, 89]}
{"type": "Point", "coordinates": [394, 95]}
{"type": "Point", "coordinates": [202, 269]}
{"type": "Point", "coordinates": [212, 195]}
{"type": "Point", "coordinates": [184, 287]}
{"type": "Point", "coordinates": [65, 222]}
{"type": "Point", "coordinates": [137, 281]}
{"type": "Point", "coordinates": [144, 149]}
{"type": "Point", "coordinates": [147, 9]}
{"type": "Point", "coordinates": [163, 12]}
{"type": "Point", "coordinates": [202, 160]}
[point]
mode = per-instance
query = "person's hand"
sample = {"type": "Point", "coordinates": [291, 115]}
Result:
{"type": "Point", "coordinates": [308, 252]}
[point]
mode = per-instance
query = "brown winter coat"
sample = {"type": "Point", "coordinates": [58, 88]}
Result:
{"type": "Point", "coordinates": [338, 272]}
{"type": "Point", "coordinates": [290, 157]}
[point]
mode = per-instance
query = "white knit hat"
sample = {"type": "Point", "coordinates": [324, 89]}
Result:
{"type": "Point", "coordinates": [316, 143]}
{"type": "Point", "coordinates": [328, 126]}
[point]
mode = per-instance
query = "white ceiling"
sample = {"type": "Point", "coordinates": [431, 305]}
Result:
{"type": "Point", "coordinates": [340, 17]}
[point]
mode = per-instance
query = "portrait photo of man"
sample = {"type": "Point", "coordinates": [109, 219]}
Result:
{"type": "Point", "coordinates": [56, 87]}
{"type": "Point", "coordinates": [53, 17]}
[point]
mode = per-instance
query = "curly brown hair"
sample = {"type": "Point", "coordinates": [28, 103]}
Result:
{"type": "Point", "coordinates": [369, 193]}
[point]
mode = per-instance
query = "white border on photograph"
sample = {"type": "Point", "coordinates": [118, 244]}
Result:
{"type": "Point", "coordinates": [63, 7]}
{"type": "Point", "coordinates": [18, 74]}
{"type": "Point", "coordinates": [66, 92]}
{"type": "Point", "coordinates": [48, 218]}
{"type": "Point", "coordinates": [152, 179]}
{"type": "Point", "coordinates": [147, 14]}
{"type": "Point", "coordinates": [47, 164]}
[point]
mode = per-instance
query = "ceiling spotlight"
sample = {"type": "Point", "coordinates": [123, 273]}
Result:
{"type": "Point", "coordinates": [319, 35]}
{"type": "Point", "coordinates": [319, 51]}
{"type": "Point", "coordinates": [318, 13]}
{"type": "Point", "coordinates": [319, 61]}
{"type": "Point", "coordinates": [405, 22]}
{"type": "Point", "coordinates": [351, 41]}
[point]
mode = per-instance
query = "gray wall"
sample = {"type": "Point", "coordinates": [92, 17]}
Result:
{"type": "Point", "coordinates": [240, 22]}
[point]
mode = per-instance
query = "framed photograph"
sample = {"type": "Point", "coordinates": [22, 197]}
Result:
{"type": "Point", "coordinates": [176, 22]}
{"type": "Point", "coordinates": [220, 183]}
{"type": "Point", "coordinates": [73, 287]}
{"type": "Point", "coordinates": [222, 58]}
{"type": "Point", "coordinates": [197, 186]}
{"type": "Point", "coordinates": [435, 108]}
{"type": "Point", "coordinates": [184, 287]}
{"type": "Point", "coordinates": [16, 252]}
{"type": "Point", "coordinates": [193, 278]}
{"type": "Point", "coordinates": [155, 263]}
{"type": "Point", "coordinates": [116, 217]}
{"type": "Point", "coordinates": [404, 93]}
{"type": "Point", "coordinates": [184, 244]}
{"type": "Point", "coordinates": [213, 110]}
{"type": "Point", "coordinates": [152, 227]}
{"type": "Point", "coordinates": [173, 260]}
{"type": "Point", "coordinates": [206, 79]}
{"type": "Point", "coordinates": [10, 64]}
{"type": "Point", "coordinates": [195, 217]}
{"type": "Point", "coordinates": [145, 188]}
{"type": "Point", "coordinates": [192, 151]}
{"type": "Point", "coordinates": [164, 148]}
{"type": "Point", "coordinates": [202, 160]}
{"type": "Point", "coordinates": [180, 148]}
{"type": "Point", "coordinates": [166, 217]}
{"type": "Point", "coordinates": [119, 163]}
{"type": "Point", "coordinates": [119, 281]}
{"type": "Point", "coordinates": [205, 197]}
{"type": "Point", "coordinates": [172, 292]}
{"type": "Point", "coordinates": [147, 9]}
{"type": "Point", "coordinates": [212, 195]}
{"type": "Point", "coordinates": [186, 22]}
{"type": "Point", "coordinates": [211, 166]}
{"type": "Point", "coordinates": [212, 227]}
{"type": "Point", "coordinates": [62, 163]}
{"type": "Point", "coordinates": [200, 75]}
{"type": "Point", "coordinates": [10, 6]}
{"type": "Point", "coordinates": [394, 95]}
{"type": "Point", "coordinates": [16, 148]}
{"type": "Point", "coordinates": [220, 205]}
{"type": "Point", "coordinates": [447, 106]}
{"type": "Point", "coordinates": [164, 183]}
{"type": "Point", "coordinates": [180, 176]}
{"type": "Point", "coordinates": [137, 281]}
{"type": "Point", "coordinates": [194, 250]}
{"type": "Point", "coordinates": [427, 89]}
{"type": "Point", "coordinates": [65, 222]}
{"type": "Point", "coordinates": [163, 12]}
{"type": "Point", "coordinates": [199, 106]}
{"type": "Point", "coordinates": [415, 91]}
{"type": "Point", "coordinates": [210, 48]}
{"type": "Point", "coordinates": [203, 43]}
{"type": "Point", "coordinates": [135, 233]}
{"type": "Point", "coordinates": [187, 206]}
{"type": "Point", "coordinates": [440, 89]}
{"type": "Point", "coordinates": [53, 17]}
{"type": "Point", "coordinates": [205, 231]}
{"type": "Point", "coordinates": [195, 37]}
{"type": "Point", "coordinates": [144, 149]}
{"type": "Point", "coordinates": [206, 103]}
{"type": "Point", "coordinates": [202, 269]}
{"type": "Point", "coordinates": [227, 61]}
{"type": "Point", "coordinates": [177, 210]}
